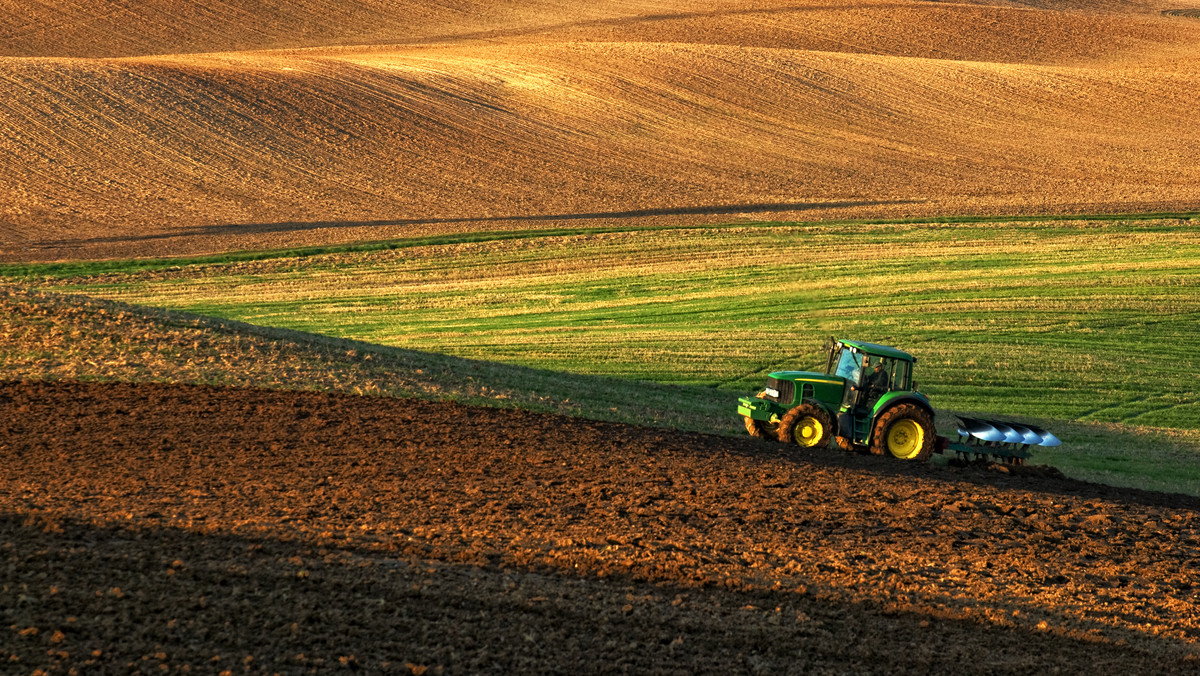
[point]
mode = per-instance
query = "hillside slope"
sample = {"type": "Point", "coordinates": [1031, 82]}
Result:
{"type": "Point", "coordinates": [121, 28]}
{"type": "Point", "coordinates": [458, 119]}
{"type": "Point", "coordinates": [115, 28]}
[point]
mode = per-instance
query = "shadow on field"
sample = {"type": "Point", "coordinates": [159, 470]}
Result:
{"type": "Point", "coordinates": [1032, 478]}
{"type": "Point", "coordinates": [300, 226]}
{"type": "Point", "coordinates": [157, 598]}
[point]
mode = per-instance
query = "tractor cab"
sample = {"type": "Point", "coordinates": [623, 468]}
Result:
{"type": "Point", "coordinates": [870, 371]}
{"type": "Point", "coordinates": [874, 377]}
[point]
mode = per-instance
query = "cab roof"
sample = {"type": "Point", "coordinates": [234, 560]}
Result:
{"type": "Point", "coordinates": [879, 350]}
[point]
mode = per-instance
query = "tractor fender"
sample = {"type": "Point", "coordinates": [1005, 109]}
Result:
{"type": "Point", "coordinates": [891, 399]}
{"type": "Point", "coordinates": [831, 411]}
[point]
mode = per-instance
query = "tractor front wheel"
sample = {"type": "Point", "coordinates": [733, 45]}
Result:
{"type": "Point", "coordinates": [905, 432]}
{"type": "Point", "coordinates": [760, 429]}
{"type": "Point", "coordinates": [807, 424]}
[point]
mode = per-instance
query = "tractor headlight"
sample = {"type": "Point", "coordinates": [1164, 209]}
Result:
{"type": "Point", "coordinates": [772, 392]}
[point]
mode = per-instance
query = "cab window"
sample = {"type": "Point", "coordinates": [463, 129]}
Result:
{"type": "Point", "coordinates": [848, 366]}
{"type": "Point", "coordinates": [894, 375]}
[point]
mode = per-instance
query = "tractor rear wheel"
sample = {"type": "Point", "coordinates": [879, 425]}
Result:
{"type": "Point", "coordinates": [905, 432]}
{"type": "Point", "coordinates": [807, 424]}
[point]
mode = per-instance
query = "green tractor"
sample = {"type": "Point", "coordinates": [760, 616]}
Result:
{"type": "Point", "coordinates": [867, 401]}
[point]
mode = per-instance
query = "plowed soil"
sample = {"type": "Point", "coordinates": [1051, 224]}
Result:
{"type": "Point", "coordinates": [158, 127]}
{"type": "Point", "coordinates": [155, 528]}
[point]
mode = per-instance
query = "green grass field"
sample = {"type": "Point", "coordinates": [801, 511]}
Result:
{"type": "Point", "coordinates": [1087, 321]}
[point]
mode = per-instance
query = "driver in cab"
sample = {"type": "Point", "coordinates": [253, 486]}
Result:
{"type": "Point", "coordinates": [878, 382]}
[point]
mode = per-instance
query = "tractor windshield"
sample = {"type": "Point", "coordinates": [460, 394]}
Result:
{"type": "Point", "coordinates": [848, 365]}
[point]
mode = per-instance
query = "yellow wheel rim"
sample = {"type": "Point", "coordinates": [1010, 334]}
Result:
{"type": "Point", "coordinates": [905, 439]}
{"type": "Point", "coordinates": [809, 431]}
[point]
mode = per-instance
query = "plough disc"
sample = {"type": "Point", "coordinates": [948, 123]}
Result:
{"type": "Point", "coordinates": [979, 429]}
{"type": "Point", "coordinates": [1028, 436]}
{"type": "Point", "coordinates": [1048, 439]}
{"type": "Point", "coordinates": [1005, 441]}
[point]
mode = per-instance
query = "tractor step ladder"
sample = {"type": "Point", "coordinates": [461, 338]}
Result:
{"type": "Point", "coordinates": [862, 427]}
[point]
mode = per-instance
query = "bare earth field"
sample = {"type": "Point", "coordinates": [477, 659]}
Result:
{"type": "Point", "coordinates": [155, 127]}
{"type": "Point", "coordinates": [156, 528]}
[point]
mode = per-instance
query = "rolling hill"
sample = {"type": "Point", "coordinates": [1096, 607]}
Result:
{"type": "Point", "coordinates": [162, 128]}
{"type": "Point", "coordinates": [197, 511]}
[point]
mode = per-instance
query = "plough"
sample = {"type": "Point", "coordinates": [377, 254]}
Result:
{"type": "Point", "coordinates": [1007, 442]}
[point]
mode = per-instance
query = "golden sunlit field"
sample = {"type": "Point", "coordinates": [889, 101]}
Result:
{"type": "Point", "coordinates": [166, 128]}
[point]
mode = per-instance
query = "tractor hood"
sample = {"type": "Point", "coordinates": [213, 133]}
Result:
{"type": "Point", "coordinates": [788, 388]}
{"type": "Point", "coordinates": [807, 377]}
